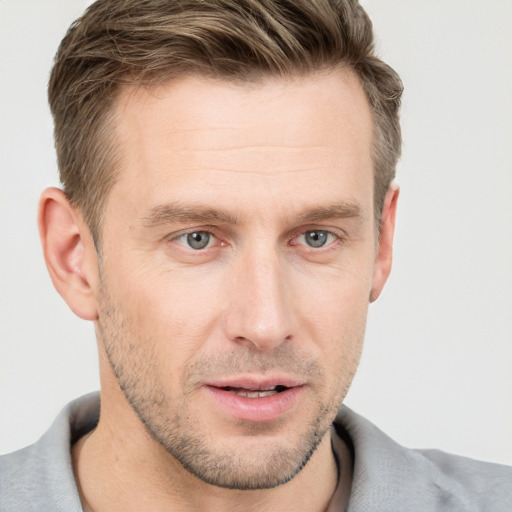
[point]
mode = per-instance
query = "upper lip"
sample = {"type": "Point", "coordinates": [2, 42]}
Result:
{"type": "Point", "coordinates": [255, 383]}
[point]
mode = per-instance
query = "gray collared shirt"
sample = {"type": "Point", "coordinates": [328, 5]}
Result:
{"type": "Point", "coordinates": [386, 476]}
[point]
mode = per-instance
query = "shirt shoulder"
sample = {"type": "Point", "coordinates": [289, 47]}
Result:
{"type": "Point", "coordinates": [40, 477]}
{"type": "Point", "coordinates": [390, 477]}
{"type": "Point", "coordinates": [488, 486]}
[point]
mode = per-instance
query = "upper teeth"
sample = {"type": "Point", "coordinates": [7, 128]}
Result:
{"type": "Point", "coordinates": [255, 393]}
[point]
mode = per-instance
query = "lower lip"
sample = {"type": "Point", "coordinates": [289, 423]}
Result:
{"type": "Point", "coordinates": [262, 409]}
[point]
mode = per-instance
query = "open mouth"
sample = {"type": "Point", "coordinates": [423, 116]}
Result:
{"type": "Point", "coordinates": [249, 400]}
{"type": "Point", "coordinates": [256, 393]}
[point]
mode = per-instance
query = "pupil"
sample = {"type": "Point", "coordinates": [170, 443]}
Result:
{"type": "Point", "coordinates": [316, 238]}
{"type": "Point", "coordinates": [198, 240]}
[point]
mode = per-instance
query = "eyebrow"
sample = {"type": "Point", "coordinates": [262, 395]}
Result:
{"type": "Point", "coordinates": [344, 210]}
{"type": "Point", "coordinates": [179, 213]}
{"type": "Point", "coordinates": [176, 212]}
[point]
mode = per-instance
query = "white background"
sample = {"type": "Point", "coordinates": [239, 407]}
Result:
{"type": "Point", "coordinates": [437, 366]}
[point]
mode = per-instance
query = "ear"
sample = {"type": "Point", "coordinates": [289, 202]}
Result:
{"type": "Point", "coordinates": [69, 253]}
{"type": "Point", "coordinates": [382, 266]}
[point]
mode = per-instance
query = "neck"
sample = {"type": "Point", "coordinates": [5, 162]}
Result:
{"type": "Point", "coordinates": [128, 470]}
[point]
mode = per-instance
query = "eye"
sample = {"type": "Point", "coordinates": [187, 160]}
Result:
{"type": "Point", "coordinates": [196, 240]}
{"type": "Point", "coordinates": [316, 238]}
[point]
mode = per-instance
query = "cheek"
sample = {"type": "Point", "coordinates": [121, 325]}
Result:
{"type": "Point", "coordinates": [339, 334]}
{"type": "Point", "coordinates": [177, 310]}
{"type": "Point", "coordinates": [333, 311]}
{"type": "Point", "coordinates": [339, 292]}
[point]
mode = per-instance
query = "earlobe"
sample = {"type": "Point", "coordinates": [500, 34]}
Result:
{"type": "Point", "coordinates": [384, 256]}
{"type": "Point", "coordinates": [69, 252]}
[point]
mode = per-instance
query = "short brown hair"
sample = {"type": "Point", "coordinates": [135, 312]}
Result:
{"type": "Point", "coordinates": [146, 42]}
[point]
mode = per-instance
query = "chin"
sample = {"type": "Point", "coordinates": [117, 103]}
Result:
{"type": "Point", "coordinates": [245, 470]}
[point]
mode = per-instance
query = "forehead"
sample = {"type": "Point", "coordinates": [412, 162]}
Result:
{"type": "Point", "coordinates": [189, 107]}
{"type": "Point", "coordinates": [222, 137]}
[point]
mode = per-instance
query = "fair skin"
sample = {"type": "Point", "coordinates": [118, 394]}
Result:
{"type": "Point", "coordinates": [238, 256]}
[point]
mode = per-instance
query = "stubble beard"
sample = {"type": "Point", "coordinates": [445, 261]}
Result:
{"type": "Point", "coordinates": [134, 363]}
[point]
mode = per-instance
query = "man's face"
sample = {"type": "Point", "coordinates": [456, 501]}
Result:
{"type": "Point", "coordinates": [238, 249]}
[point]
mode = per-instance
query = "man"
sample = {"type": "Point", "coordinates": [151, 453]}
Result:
{"type": "Point", "coordinates": [227, 215]}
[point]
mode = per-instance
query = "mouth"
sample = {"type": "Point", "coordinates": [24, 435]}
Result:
{"type": "Point", "coordinates": [255, 400]}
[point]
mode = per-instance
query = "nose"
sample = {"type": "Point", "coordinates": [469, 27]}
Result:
{"type": "Point", "coordinates": [260, 313]}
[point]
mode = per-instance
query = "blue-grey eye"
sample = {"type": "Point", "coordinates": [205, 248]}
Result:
{"type": "Point", "coordinates": [198, 239]}
{"type": "Point", "coordinates": [316, 238]}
